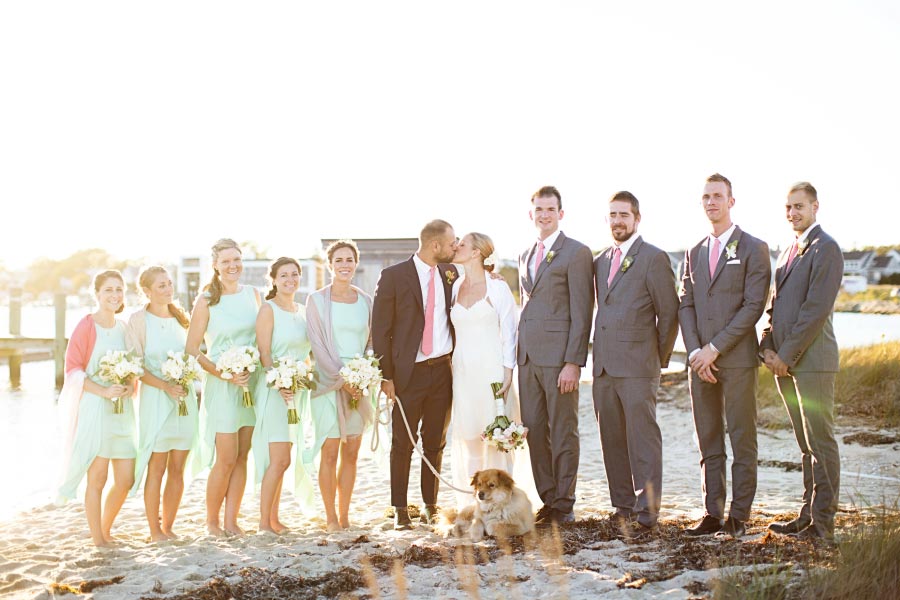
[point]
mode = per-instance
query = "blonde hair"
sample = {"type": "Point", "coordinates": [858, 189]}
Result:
{"type": "Point", "coordinates": [101, 277]}
{"type": "Point", "coordinates": [485, 245]}
{"type": "Point", "coordinates": [214, 287]}
{"type": "Point", "coordinates": [145, 280]}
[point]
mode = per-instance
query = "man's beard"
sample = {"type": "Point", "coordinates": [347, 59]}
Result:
{"type": "Point", "coordinates": [623, 234]}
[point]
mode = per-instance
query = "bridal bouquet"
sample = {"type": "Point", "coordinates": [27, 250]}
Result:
{"type": "Point", "coordinates": [363, 373]}
{"type": "Point", "coordinates": [506, 435]}
{"type": "Point", "coordinates": [183, 369]}
{"type": "Point", "coordinates": [118, 367]}
{"type": "Point", "coordinates": [288, 374]}
{"type": "Point", "coordinates": [238, 359]}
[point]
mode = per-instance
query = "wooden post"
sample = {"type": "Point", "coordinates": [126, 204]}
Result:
{"type": "Point", "coordinates": [15, 330]}
{"type": "Point", "coordinates": [59, 343]}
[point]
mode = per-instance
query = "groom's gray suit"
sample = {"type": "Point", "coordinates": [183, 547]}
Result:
{"type": "Point", "coordinates": [635, 331]}
{"type": "Point", "coordinates": [554, 329]}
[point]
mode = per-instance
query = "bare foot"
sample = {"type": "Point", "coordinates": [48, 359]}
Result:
{"type": "Point", "coordinates": [159, 536]}
{"type": "Point", "coordinates": [102, 543]}
{"type": "Point", "coordinates": [215, 530]}
{"type": "Point", "coordinates": [264, 529]}
{"type": "Point", "coordinates": [235, 530]}
{"type": "Point", "coordinates": [170, 534]}
{"type": "Point", "coordinates": [279, 527]}
{"type": "Point", "coordinates": [345, 522]}
{"type": "Point", "coordinates": [332, 527]}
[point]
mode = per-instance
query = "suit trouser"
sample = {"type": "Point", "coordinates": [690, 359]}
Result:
{"type": "Point", "coordinates": [553, 442]}
{"type": "Point", "coordinates": [427, 398]}
{"type": "Point", "coordinates": [625, 408]}
{"type": "Point", "coordinates": [809, 400]}
{"type": "Point", "coordinates": [734, 397]}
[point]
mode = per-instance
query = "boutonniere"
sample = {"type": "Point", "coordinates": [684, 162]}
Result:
{"type": "Point", "coordinates": [626, 263]}
{"type": "Point", "coordinates": [802, 247]}
{"type": "Point", "coordinates": [550, 256]}
{"type": "Point", "coordinates": [731, 250]}
{"type": "Point", "coordinates": [451, 276]}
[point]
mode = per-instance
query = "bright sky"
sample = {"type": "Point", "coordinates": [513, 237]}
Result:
{"type": "Point", "coordinates": [152, 129]}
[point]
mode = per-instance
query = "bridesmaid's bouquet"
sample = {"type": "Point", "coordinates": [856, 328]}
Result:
{"type": "Point", "coordinates": [363, 373]}
{"type": "Point", "coordinates": [183, 369]}
{"type": "Point", "coordinates": [118, 367]}
{"type": "Point", "coordinates": [238, 359]}
{"type": "Point", "coordinates": [506, 435]}
{"type": "Point", "coordinates": [288, 374]}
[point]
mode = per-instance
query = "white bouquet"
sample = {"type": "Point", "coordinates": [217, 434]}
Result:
{"type": "Point", "coordinates": [238, 359]}
{"type": "Point", "coordinates": [288, 374]}
{"type": "Point", "coordinates": [118, 367]}
{"type": "Point", "coordinates": [181, 368]}
{"type": "Point", "coordinates": [363, 373]}
{"type": "Point", "coordinates": [506, 435]}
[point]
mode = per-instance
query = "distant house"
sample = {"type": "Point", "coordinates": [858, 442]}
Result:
{"type": "Point", "coordinates": [856, 262]}
{"type": "Point", "coordinates": [884, 266]}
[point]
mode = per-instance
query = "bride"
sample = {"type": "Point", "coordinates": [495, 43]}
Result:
{"type": "Point", "coordinates": [484, 316]}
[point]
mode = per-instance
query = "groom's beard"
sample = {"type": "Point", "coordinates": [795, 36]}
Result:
{"type": "Point", "coordinates": [622, 234]}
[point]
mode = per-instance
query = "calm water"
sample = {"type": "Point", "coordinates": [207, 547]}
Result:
{"type": "Point", "coordinates": [30, 444]}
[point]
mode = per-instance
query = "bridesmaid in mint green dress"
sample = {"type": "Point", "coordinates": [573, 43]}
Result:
{"type": "Point", "coordinates": [95, 435]}
{"type": "Point", "coordinates": [225, 316]}
{"type": "Point", "coordinates": [280, 332]}
{"type": "Point", "coordinates": [339, 319]}
{"type": "Point", "coordinates": [165, 438]}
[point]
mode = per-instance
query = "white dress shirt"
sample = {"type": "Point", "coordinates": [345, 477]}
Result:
{"type": "Point", "coordinates": [723, 239]}
{"type": "Point", "coordinates": [442, 342]}
{"type": "Point", "coordinates": [625, 246]}
{"type": "Point", "coordinates": [548, 243]}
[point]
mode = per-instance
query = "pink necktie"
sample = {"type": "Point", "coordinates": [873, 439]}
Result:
{"type": "Point", "coordinates": [792, 255]}
{"type": "Point", "coordinates": [538, 257]}
{"type": "Point", "coordinates": [714, 257]}
{"type": "Point", "coordinates": [614, 267]}
{"type": "Point", "coordinates": [428, 332]}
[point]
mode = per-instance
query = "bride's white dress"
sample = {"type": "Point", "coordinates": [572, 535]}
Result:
{"type": "Point", "coordinates": [478, 362]}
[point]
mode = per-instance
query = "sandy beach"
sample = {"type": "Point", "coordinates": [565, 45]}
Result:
{"type": "Point", "coordinates": [47, 545]}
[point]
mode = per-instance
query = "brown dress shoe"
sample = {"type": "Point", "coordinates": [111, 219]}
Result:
{"type": "Point", "coordinates": [402, 521]}
{"type": "Point", "coordinates": [707, 526]}
{"type": "Point", "coordinates": [795, 526]}
{"type": "Point", "coordinates": [430, 515]}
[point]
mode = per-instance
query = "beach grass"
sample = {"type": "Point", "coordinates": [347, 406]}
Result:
{"type": "Point", "coordinates": [867, 389]}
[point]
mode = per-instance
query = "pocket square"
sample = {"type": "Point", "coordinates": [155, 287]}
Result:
{"type": "Point", "coordinates": [735, 261]}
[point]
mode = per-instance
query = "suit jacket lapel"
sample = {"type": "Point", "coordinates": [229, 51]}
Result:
{"type": "Point", "coordinates": [632, 252]}
{"type": "Point", "coordinates": [545, 263]}
{"type": "Point", "coordinates": [412, 278]}
{"type": "Point", "coordinates": [787, 270]}
{"type": "Point", "coordinates": [604, 265]}
{"type": "Point", "coordinates": [525, 280]}
{"type": "Point", "coordinates": [735, 235]}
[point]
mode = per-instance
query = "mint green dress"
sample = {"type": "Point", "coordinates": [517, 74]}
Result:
{"type": "Point", "coordinates": [350, 323]}
{"type": "Point", "coordinates": [232, 322]}
{"type": "Point", "coordinates": [289, 338]}
{"type": "Point", "coordinates": [160, 427]}
{"type": "Point", "coordinates": [99, 431]}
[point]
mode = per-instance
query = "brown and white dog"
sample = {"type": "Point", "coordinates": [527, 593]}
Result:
{"type": "Point", "coordinates": [500, 510]}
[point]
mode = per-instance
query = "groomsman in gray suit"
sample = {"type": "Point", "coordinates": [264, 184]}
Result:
{"type": "Point", "coordinates": [635, 330]}
{"type": "Point", "coordinates": [724, 291]}
{"type": "Point", "coordinates": [799, 347]}
{"type": "Point", "coordinates": [554, 327]}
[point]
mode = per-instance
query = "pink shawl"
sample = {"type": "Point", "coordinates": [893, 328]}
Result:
{"type": "Point", "coordinates": [78, 355]}
{"type": "Point", "coordinates": [328, 361]}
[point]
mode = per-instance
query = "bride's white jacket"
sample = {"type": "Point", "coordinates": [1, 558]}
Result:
{"type": "Point", "coordinates": [501, 298]}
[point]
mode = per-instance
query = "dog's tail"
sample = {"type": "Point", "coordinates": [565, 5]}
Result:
{"type": "Point", "coordinates": [445, 521]}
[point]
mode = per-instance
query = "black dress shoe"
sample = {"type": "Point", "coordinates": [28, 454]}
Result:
{"type": "Point", "coordinates": [543, 515]}
{"type": "Point", "coordinates": [402, 521]}
{"type": "Point", "coordinates": [707, 526]}
{"type": "Point", "coordinates": [795, 526]}
{"type": "Point", "coordinates": [560, 516]}
{"type": "Point", "coordinates": [732, 528]}
{"type": "Point", "coordinates": [618, 520]}
{"type": "Point", "coordinates": [430, 514]}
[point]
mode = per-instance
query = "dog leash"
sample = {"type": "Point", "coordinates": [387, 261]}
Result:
{"type": "Point", "coordinates": [386, 408]}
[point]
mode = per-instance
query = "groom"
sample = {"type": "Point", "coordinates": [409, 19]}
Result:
{"type": "Point", "coordinates": [557, 281]}
{"type": "Point", "coordinates": [413, 335]}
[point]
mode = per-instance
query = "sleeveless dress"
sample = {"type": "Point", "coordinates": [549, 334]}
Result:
{"type": "Point", "coordinates": [351, 333]}
{"type": "Point", "coordinates": [478, 362]}
{"type": "Point", "coordinates": [160, 427]}
{"type": "Point", "coordinates": [289, 338]}
{"type": "Point", "coordinates": [99, 431]}
{"type": "Point", "coordinates": [232, 322]}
